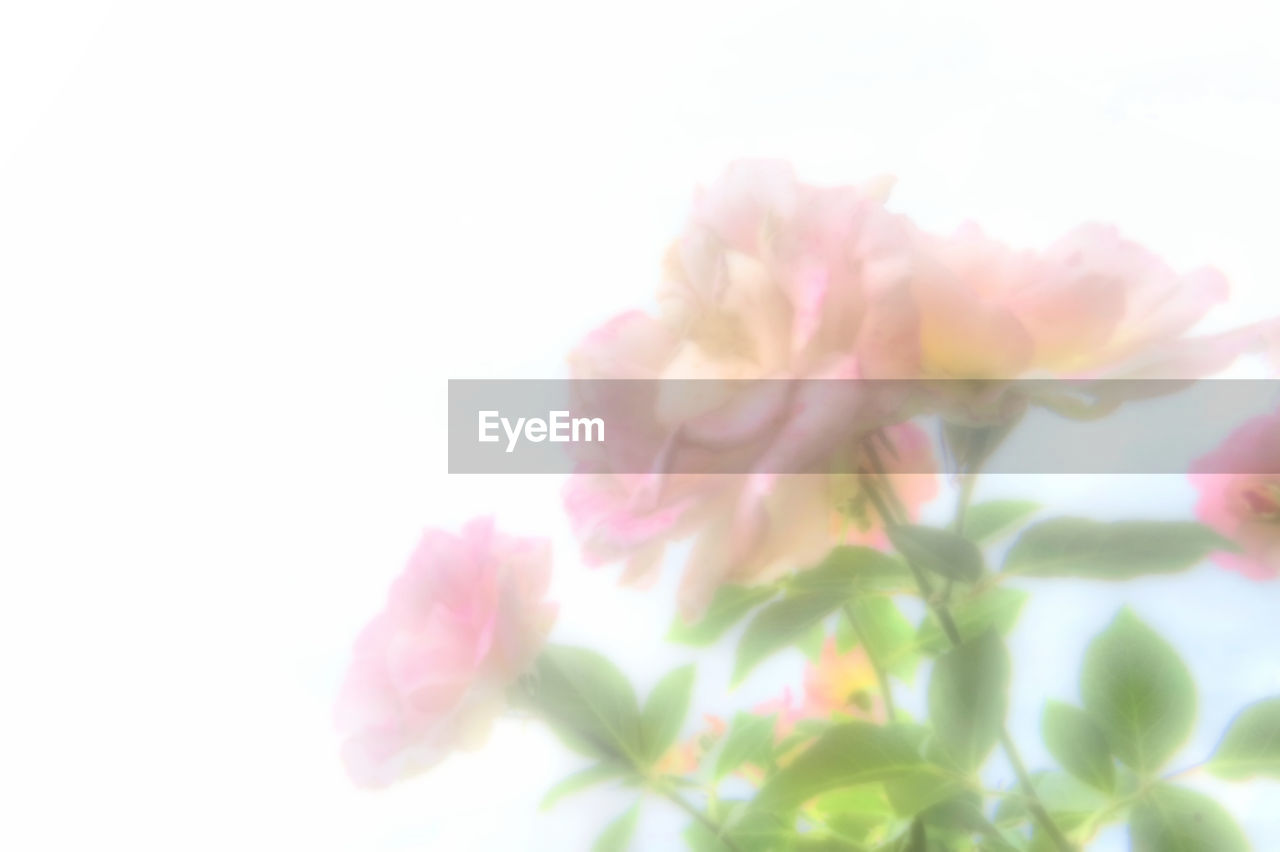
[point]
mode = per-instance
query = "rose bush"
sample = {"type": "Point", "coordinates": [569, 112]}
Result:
{"type": "Point", "coordinates": [801, 483]}
{"type": "Point", "coordinates": [774, 282]}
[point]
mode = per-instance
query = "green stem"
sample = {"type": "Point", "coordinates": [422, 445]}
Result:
{"type": "Point", "coordinates": [967, 483]}
{"type": "Point", "coordinates": [893, 514]}
{"type": "Point", "coordinates": [878, 470]}
{"type": "Point", "coordinates": [1028, 788]}
{"type": "Point", "coordinates": [1117, 805]}
{"type": "Point", "coordinates": [882, 677]}
{"type": "Point", "coordinates": [685, 805]}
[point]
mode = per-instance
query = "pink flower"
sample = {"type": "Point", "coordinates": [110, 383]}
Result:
{"type": "Point", "coordinates": [1093, 304]}
{"type": "Point", "coordinates": [787, 712]}
{"type": "Point", "coordinates": [839, 683]}
{"type": "Point", "coordinates": [771, 280]}
{"type": "Point", "coordinates": [1239, 485]}
{"type": "Point", "coordinates": [685, 757]}
{"type": "Point", "coordinates": [461, 623]}
{"type": "Point", "coordinates": [747, 527]}
{"type": "Point", "coordinates": [775, 278]}
{"type": "Point", "coordinates": [1124, 300]}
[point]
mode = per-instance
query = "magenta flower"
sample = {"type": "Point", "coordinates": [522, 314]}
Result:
{"type": "Point", "coordinates": [465, 618]}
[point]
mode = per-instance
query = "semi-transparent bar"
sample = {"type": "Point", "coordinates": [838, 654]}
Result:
{"type": "Point", "coordinates": [822, 425]}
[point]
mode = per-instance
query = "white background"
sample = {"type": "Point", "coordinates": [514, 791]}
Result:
{"type": "Point", "coordinates": [244, 244]}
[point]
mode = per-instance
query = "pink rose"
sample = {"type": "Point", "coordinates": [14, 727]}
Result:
{"type": "Point", "coordinates": [967, 289]}
{"type": "Point", "coordinates": [775, 278]}
{"type": "Point", "coordinates": [771, 280]}
{"type": "Point", "coordinates": [1129, 298]}
{"type": "Point", "coordinates": [1239, 485]}
{"type": "Point", "coordinates": [1092, 309]}
{"type": "Point", "coordinates": [461, 623]}
{"type": "Point", "coordinates": [1093, 304]}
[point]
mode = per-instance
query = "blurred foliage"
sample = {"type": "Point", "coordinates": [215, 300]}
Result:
{"type": "Point", "coordinates": [833, 781]}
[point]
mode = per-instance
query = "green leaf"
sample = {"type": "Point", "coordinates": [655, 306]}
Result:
{"type": "Point", "coordinates": [845, 755]}
{"type": "Point", "coordinates": [1174, 819]}
{"type": "Point", "coordinates": [962, 812]}
{"type": "Point", "coordinates": [811, 641]}
{"type": "Point", "coordinates": [1003, 841]}
{"type": "Point", "coordinates": [1251, 746]}
{"type": "Point", "coordinates": [996, 608]}
{"type": "Point", "coordinates": [920, 790]}
{"type": "Point", "coordinates": [588, 702]}
{"type": "Point", "coordinates": [664, 711]}
{"type": "Point", "coordinates": [1136, 687]}
{"type": "Point", "coordinates": [781, 624]}
{"type": "Point", "coordinates": [850, 569]}
{"type": "Point", "coordinates": [1076, 742]}
{"type": "Point", "coordinates": [754, 832]}
{"type": "Point", "coordinates": [1080, 401]}
{"type": "Point", "coordinates": [843, 575]}
{"type": "Point", "coordinates": [804, 732]}
{"type": "Point", "coordinates": [1079, 547]}
{"type": "Point", "coordinates": [1070, 801]}
{"type": "Point", "coordinates": [749, 740]}
{"type": "Point", "coordinates": [855, 812]}
{"type": "Point", "coordinates": [819, 843]}
{"type": "Point", "coordinates": [984, 522]}
{"type": "Point", "coordinates": [617, 835]}
{"type": "Point", "coordinates": [940, 551]}
{"type": "Point", "coordinates": [968, 695]}
{"type": "Point", "coordinates": [914, 839]}
{"type": "Point", "coordinates": [970, 445]}
{"type": "Point", "coordinates": [890, 636]}
{"type": "Point", "coordinates": [582, 780]}
{"type": "Point", "coordinates": [731, 604]}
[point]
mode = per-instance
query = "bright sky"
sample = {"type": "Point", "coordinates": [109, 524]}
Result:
{"type": "Point", "coordinates": [244, 244]}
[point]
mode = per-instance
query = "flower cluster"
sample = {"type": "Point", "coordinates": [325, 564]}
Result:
{"type": "Point", "coordinates": [839, 684]}
{"type": "Point", "coordinates": [773, 279]}
{"type": "Point", "coordinates": [760, 430]}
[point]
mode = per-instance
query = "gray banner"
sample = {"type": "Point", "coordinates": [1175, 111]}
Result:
{"type": "Point", "coordinates": [823, 426]}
